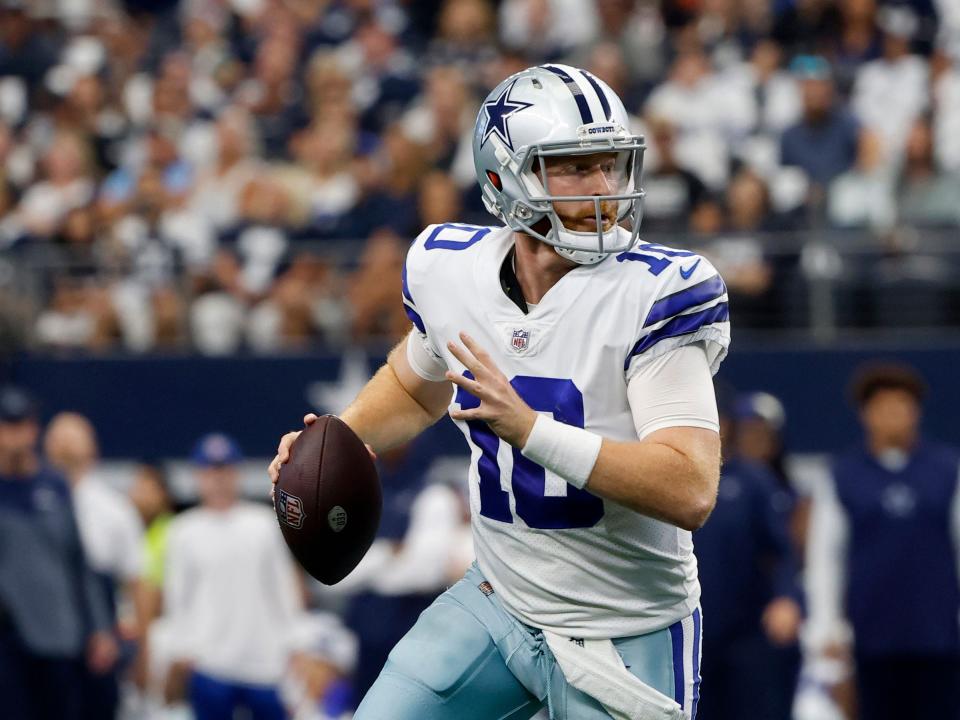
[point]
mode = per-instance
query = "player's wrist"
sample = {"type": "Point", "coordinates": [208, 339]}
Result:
{"type": "Point", "coordinates": [568, 451]}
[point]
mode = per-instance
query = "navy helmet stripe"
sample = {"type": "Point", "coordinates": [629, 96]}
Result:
{"type": "Point", "coordinates": [604, 103]}
{"type": "Point", "coordinates": [686, 299]}
{"type": "Point", "coordinates": [680, 325]}
{"type": "Point", "coordinates": [585, 115]}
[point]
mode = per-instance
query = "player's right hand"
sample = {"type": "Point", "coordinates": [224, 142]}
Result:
{"type": "Point", "coordinates": [283, 451]}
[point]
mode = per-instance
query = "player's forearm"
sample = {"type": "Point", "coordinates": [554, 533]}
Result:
{"type": "Point", "coordinates": [385, 414]}
{"type": "Point", "coordinates": [656, 479]}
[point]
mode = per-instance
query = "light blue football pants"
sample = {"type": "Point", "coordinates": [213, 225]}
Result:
{"type": "Point", "coordinates": [467, 658]}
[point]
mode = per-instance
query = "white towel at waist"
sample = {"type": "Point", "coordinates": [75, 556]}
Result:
{"type": "Point", "coordinates": [595, 667]}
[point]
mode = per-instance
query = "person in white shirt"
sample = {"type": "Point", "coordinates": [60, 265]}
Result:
{"type": "Point", "coordinates": [231, 594]}
{"type": "Point", "coordinates": [898, 74]}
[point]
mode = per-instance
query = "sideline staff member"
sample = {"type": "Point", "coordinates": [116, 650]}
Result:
{"type": "Point", "coordinates": [53, 614]}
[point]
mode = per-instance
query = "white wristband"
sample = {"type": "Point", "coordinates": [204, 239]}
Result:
{"type": "Point", "coordinates": [569, 451]}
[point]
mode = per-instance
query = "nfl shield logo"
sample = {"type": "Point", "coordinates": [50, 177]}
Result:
{"type": "Point", "coordinates": [520, 340]}
{"type": "Point", "coordinates": [290, 510]}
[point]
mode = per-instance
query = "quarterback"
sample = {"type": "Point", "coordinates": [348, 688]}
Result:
{"type": "Point", "coordinates": [577, 360]}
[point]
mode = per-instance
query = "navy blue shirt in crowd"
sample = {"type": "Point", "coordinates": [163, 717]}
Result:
{"type": "Point", "coordinates": [744, 554]}
{"type": "Point", "coordinates": [47, 591]}
{"type": "Point", "coordinates": [902, 589]}
{"type": "Point", "coordinates": [822, 150]}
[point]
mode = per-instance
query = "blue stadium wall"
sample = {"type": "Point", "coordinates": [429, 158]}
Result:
{"type": "Point", "coordinates": [156, 407]}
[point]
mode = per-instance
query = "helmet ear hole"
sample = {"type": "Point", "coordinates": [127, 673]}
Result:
{"type": "Point", "coordinates": [495, 180]}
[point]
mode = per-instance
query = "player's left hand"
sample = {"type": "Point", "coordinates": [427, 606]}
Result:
{"type": "Point", "coordinates": [500, 406]}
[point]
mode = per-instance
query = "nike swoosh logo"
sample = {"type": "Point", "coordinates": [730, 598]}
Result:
{"type": "Point", "coordinates": [685, 273]}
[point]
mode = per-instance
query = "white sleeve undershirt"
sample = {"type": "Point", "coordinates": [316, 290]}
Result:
{"type": "Point", "coordinates": [423, 359]}
{"type": "Point", "coordinates": [673, 390]}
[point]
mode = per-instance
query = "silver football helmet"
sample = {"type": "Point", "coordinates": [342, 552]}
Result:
{"type": "Point", "coordinates": [549, 111]}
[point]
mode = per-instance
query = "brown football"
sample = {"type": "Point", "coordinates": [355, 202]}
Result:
{"type": "Point", "coordinates": [328, 500]}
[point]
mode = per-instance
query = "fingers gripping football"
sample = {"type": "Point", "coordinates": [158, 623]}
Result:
{"type": "Point", "coordinates": [500, 406]}
{"type": "Point", "coordinates": [283, 451]}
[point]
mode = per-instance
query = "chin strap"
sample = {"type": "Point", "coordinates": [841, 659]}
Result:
{"type": "Point", "coordinates": [581, 257]}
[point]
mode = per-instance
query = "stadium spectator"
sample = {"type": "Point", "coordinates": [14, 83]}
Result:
{"type": "Point", "coordinates": [373, 289]}
{"type": "Point", "coordinates": [862, 196]}
{"type": "Point", "coordinates": [54, 618]}
{"type": "Point", "coordinates": [112, 536]}
{"type": "Point", "coordinates": [272, 93]}
{"type": "Point", "coordinates": [392, 173]}
{"type": "Point", "coordinates": [769, 94]}
{"type": "Point", "coordinates": [217, 314]}
{"type": "Point", "coordinates": [325, 151]}
{"type": "Point", "coordinates": [926, 196]}
{"type": "Point", "coordinates": [855, 41]}
{"type": "Point", "coordinates": [66, 185]}
{"type": "Point", "coordinates": [695, 103]}
{"type": "Point", "coordinates": [218, 188]}
{"type": "Point", "coordinates": [439, 199]}
{"type": "Point", "coordinates": [639, 32]}
{"type": "Point", "coordinates": [748, 572]}
{"type": "Point", "coordinates": [442, 118]}
{"type": "Point", "coordinates": [27, 49]}
{"type": "Point", "coordinates": [882, 555]}
{"type": "Point", "coordinates": [231, 596]}
{"type": "Point", "coordinates": [898, 74]}
{"type": "Point", "coordinates": [740, 252]}
{"type": "Point", "coordinates": [547, 28]}
{"type": "Point", "coordinates": [466, 32]}
{"type": "Point", "coordinates": [304, 305]}
{"type": "Point", "coordinates": [80, 316]}
{"type": "Point", "coordinates": [150, 495]}
{"type": "Point", "coordinates": [672, 191]}
{"type": "Point", "coordinates": [826, 140]}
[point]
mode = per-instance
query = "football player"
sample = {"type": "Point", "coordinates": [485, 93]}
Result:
{"type": "Point", "coordinates": [577, 361]}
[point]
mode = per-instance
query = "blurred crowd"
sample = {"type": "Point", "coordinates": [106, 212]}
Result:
{"type": "Point", "coordinates": [229, 175]}
{"type": "Point", "coordinates": [833, 596]}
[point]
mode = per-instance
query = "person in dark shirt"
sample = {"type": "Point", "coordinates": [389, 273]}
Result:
{"type": "Point", "coordinates": [825, 142]}
{"type": "Point", "coordinates": [750, 600]}
{"type": "Point", "coordinates": [54, 617]}
{"type": "Point", "coordinates": [883, 553]}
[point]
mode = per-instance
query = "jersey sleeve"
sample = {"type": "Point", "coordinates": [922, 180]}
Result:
{"type": "Point", "coordinates": [673, 390]}
{"type": "Point", "coordinates": [688, 306]}
{"type": "Point", "coordinates": [424, 356]}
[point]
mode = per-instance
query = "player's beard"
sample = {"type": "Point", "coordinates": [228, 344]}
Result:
{"type": "Point", "coordinates": [585, 221]}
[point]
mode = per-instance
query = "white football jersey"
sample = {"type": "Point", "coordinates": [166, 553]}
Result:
{"type": "Point", "coordinates": [560, 557]}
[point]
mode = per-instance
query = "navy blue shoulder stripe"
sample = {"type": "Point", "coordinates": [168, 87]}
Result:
{"type": "Point", "coordinates": [675, 303]}
{"type": "Point", "coordinates": [406, 288]}
{"type": "Point", "coordinates": [682, 325]}
{"type": "Point", "coordinates": [585, 115]}
{"type": "Point", "coordinates": [604, 103]}
{"type": "Point", "coordinates": [408, 305]}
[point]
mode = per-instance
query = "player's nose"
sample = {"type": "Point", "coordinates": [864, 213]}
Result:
{"type": "Point", "coordinates": [599, 183]}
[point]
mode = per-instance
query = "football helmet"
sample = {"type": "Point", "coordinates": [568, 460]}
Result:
{"type": "Point", "coordinates": [549, 111]}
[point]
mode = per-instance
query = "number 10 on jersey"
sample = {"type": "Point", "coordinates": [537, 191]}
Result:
{"type": "Point", "coordinates": [578, 509]}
